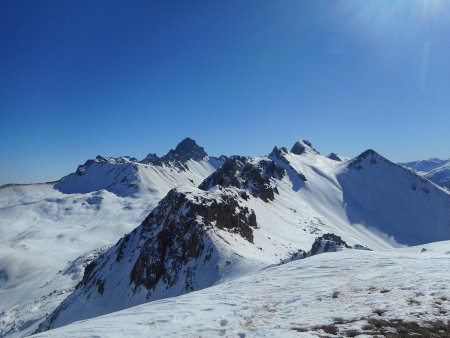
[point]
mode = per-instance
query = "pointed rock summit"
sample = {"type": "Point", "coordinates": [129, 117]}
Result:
{"type": "Point", "coordinates": [303, 146]}
{"type": "Point", "coordinates": [334, 157]}
{"type": "Point", "coordinates": [186, 150]}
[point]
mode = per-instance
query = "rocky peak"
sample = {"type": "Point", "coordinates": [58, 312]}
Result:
{"type": "Point", "coordinates": [370, 156]}
{"type": "Point", "coordinates": [186, 150]}
{"type": "Point", "coordinates": [279, 153]}
{"type": "Point", "coordinates": [169, 254]}
{"type": "Point", "coordinates": [152, 159]}
{"type": "Point", "coordinates": [245, 173]}
{"type": "Point", "coordinates": [303, 146]}
{"type": "Point", "coordinates": [334, 157]}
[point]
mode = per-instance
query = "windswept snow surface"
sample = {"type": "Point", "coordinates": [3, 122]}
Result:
{"type": "Point", "coordinates": [343, 289]}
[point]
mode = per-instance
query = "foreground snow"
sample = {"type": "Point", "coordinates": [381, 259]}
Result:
{"type": "Point", "coordinates": [300, 298]}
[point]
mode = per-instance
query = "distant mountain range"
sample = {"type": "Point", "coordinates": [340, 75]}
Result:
{"type": "Point", "coordinates": [119, 232]}
{"type": "Point", "coordinates": [434, 169]}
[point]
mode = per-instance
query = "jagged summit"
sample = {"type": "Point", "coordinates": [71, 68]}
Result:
{"type": "Point", "coordinates": [186, 150]}
{"type": "Point", "coordinates": [334, 157]}
{"type": "Point", "coordinates": [255, 176]}
{"type": "Point", "coordinates": [125, 176]}
{"type": "Point", "coordinates": [152, 158]}
{"type": "Point", "coordinates": [303, 146]}
{"type": "Point", "coordinates": [178, 248]}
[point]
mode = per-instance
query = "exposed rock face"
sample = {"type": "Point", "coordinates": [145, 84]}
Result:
{"type": "Point", "coordinates": [243, 173]}
{"type": "Point", "coordinates": [334, 157]}
{"type": "Point", "coordinates": [325, 243]}
{"type": "Point", "coordinates": [162, 257]}
{"type": "Point", "coordinates": [185, 222]}
{"type": "Point", "coordinates": [303, 146]}
{"type": "Point", "coordinates": [152, 159]}
{"type": "Point", "coordinates": [369, 155]}
{"type": "Point", "coordinates": [279, 156]}
{"type": "Point", "coordinates": [185, 150]}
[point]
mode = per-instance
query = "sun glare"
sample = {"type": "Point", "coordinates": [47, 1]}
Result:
{"type": "Point", "coordinates": [396, 16]}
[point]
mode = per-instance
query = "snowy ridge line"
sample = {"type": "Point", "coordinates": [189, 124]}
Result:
{"type": "Point", "coordinates": [436, 170]}
{"type": "Point", "coordinates": [246, 211]}
{"type": "Point", "coordinates": [251, 213]}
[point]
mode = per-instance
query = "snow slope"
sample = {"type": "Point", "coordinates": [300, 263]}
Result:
{"type": "Point", "coordinates": [409, 208]}
{"type": "Point", "coordinates": [343, 293]}
{"type": "Point", "coordinates": [255, 212]}
{"type": "Point", "coordinates": [50, 232]}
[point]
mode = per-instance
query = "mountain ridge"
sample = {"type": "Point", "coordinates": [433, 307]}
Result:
{"type": "Point", "coordinates": [259, 187]}
{"type": "Point", "coordinates": [269, 210]}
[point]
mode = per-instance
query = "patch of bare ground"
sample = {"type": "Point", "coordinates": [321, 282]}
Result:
{"type": "Point", "coordinates": [379, 327]}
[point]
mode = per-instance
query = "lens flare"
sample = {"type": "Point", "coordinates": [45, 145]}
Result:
{"type": "Point", "coordinates": [401, 18]}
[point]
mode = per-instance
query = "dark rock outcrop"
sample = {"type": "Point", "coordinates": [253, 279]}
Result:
{"type": "Point", "coordinates": [152, 159]}
{"type": "Point", "coordinates": [302, 146]}
{"type": "Point", "coordinates": [164, 254]}
{"type": "Point", "coordinates": [179, 235]}
{"type": "Point", "coordinates": [279, 156]}
{"type": "Point", "coordinates": [243, 173]}
{"type": "Point", "coordinates": [334, 157]}
{"type": "Point", "coordinates": [328, 243]}
{"type": "Point", "coordinates": [185, 150]}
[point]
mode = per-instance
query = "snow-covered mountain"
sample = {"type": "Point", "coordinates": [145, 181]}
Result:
{"type": "Point", "coordinates": [440, 175]}
{"type": "Point", "coordinates": [201, 221]}
{"type": "Point", "coordinates": [50, 232]}
{"type": "Point", "coordinates": [254, 212]}
{"type": "Point", "coordinates": [187, 164]}
{"type": "Point", "coordinates": [425, 166]}
{"type": "Point", "coordinates": [434, 169]}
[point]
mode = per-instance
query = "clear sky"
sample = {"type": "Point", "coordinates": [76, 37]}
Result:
{"type": "Point", "coordinates": [85, 77]}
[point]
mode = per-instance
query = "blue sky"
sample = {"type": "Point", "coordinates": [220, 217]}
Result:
{"type": "Point", "coordinates": [81, 78]}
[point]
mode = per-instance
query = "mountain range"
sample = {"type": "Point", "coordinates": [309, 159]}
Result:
{"type": "Point", "coordinates": [119, 232]}
{"type": "Point", "coordinates": [434, 169]}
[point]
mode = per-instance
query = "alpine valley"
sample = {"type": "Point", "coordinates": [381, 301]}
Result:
{"type": "Point", "coordinates": [293, 243]}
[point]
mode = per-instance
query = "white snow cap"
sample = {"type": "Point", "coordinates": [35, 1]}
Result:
{"type": "Point", "coordinates": [303, 146]}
